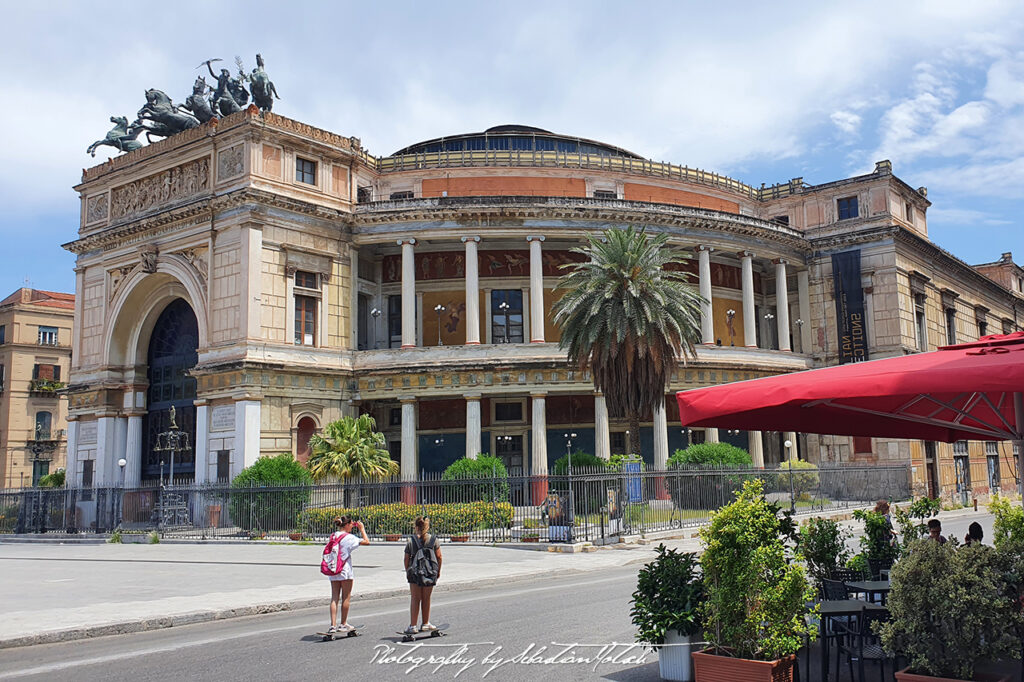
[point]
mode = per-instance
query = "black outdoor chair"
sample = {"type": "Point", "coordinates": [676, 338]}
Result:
{"type": "Point", "coordinates": [862, 643]}
{"type": "Point", "coordinates": [876, 566]}
{"type": "Point", "coordinates": [834, 590]}
{"type": "Point", "coordinates": [846, 575]}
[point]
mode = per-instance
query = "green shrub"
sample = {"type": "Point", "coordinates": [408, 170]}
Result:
{"type": "Point", "coordinates": [877, 543]}
{"type": "Point", "coordinates": [154, 538]}
{"type": "Point", "coordinates": [54, 480]}
{"type": "Point", "coordinates": [253, 506]}
{"type": "Point", "coordinates": [822, 544]}
{"type": "Point", "coordinates": [669, 594]}
{"type": "Point", "coordinates": [617, 462]}
{"type": "Point", "coordinates": [1009, 524]}
{"type": "Point", "coordinates": [757, 601]}
{"type": "Point", "coordinates": [804, 477]}
{"type": "Point", "coordinates": [115, 538]}
{"type": "Point", "coordinates": [489, 476]}
{"type": "Point", "coordinates": [712, 454]}
{"type": "Point", "coordinates": [580, 461]}
{"type": "Point", "coordinates": [698, 485]}
{"type": "Point", "coordinates": [911, 521]}
{"type": "Point", "coordinates": [950, 609]}
{"type": "Point", "coordinates": [589, 495]}
{"type": "Point", "coordinates": [453, 518]}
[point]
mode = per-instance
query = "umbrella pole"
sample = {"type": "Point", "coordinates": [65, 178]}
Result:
{"type": "Point", "coordinates": [1018, 413]}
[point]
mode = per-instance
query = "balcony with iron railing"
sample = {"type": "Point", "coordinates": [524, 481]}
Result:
{"type": "Point", "coordinates": [45, 388]}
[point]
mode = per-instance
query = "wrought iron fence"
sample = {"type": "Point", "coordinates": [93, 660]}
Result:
{"type": "Point", "coordinates": [595, 505]}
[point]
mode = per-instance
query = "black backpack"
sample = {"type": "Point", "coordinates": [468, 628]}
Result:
{"type": "Point", "coordinates": [423, 565]}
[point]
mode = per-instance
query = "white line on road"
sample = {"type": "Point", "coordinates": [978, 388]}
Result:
{"type": "Point", "coordinates": [135, 653]}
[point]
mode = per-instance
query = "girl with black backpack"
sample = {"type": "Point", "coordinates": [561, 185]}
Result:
{"type": "Point", "coordinates": [422, 570]}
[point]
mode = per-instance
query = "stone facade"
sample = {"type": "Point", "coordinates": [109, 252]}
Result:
{"type": "Point", "coordinates": [418, 288]}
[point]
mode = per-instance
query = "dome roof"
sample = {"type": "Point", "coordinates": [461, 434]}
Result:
{"type": "Point", "coordinates": [515, 137]}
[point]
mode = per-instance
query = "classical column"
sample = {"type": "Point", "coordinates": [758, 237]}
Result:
{"type": "Point", "coordinates": [756, 448]}
{"type": "Point", "coordinates": [473, 425]}
{"type": "Point", "coordinates": [707, 321]}
{"type": "Point", "coordinates": [782, 304]}
{"type": "Point", "coordinates": [710, 435]}
{"type": "Point", "coordinates": [660, 448]}
{"type": "Point", "coordinates": [106, 450]}
{"type": "Point", "coordinates": [472, 294]}
{"type": "Point", "coordinates": [408, 293]}
{"type": "Point", "coordinates": [804, 301]}
{"type": "Point", "coordinates": [539, 449]}
{"type": "Point", "coordinates": [602, 438]}
{"type": "Point", "coordinates": [791, 437]}
{"type": "Point", "coordinates": [247, 434]}
{"type": "Point", "coordinates": [410, 465]}
{"type": "Point", "coordinates": [202, 444]}
{"type": "Point", "coordinates": [71, 456]}
{"type": "Point", "coordinates": [749, 320]}
{"type": "Point", "coordinates": [536, 290]}
{"type": "Point", "coordinates": [133, 452]}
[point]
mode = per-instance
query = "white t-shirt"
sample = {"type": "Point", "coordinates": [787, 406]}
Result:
{"type": "Point", "coordinates": [346, 545]}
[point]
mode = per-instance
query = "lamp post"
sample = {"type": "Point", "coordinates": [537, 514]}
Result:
{"type": "Point", "coordinates": [120, 498]}
{"type": "Point", "coordinates": [769, 317]}
{"type": "Point", "coordinates": [799, 331]}
{"type": "Point", "coordinates": [375, 314]}
{"type": "Point", "coordinates": [503, 307]}
{"type": "Point", "coordinates": [439, 309]}
{"type": "Point", "coordinates": [729, 315]}
{"type": "Point", "coordinates": [792, 498]}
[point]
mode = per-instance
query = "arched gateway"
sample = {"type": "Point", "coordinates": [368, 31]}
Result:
{"type": "Point", "coordinates": [173, 351]}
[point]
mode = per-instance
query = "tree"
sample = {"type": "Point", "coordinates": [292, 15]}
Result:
{"type": "Point", "coordinates": [629, 319]}
{"type": "Point", "coordinates": [350, 448]}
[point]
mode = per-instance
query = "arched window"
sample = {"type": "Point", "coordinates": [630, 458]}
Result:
{"type": "Point", "coordinates": [306, 428]}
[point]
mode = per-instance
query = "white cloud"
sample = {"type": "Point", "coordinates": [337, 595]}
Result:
{"type": "Point", "coordinates": [847, 121]}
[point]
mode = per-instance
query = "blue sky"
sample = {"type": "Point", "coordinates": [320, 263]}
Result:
{"type": "Point", "coordinates": [762, 92]}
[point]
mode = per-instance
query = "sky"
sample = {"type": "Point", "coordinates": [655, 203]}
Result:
{"type": "Point", "coordinates": [761, 92]}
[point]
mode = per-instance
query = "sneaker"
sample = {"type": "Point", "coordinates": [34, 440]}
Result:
{"type": "Point", "coordinates": [345, 627]}
{"type": "Point", "coordinates": [411, 630]}
{"type": "Point", "coordinates": [427, 627]}
{"type": "Point", "coordinates": [331, 630]}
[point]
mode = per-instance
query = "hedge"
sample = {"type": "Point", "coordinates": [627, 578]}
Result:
{"type": "Point", "coordinates": [397, 517]}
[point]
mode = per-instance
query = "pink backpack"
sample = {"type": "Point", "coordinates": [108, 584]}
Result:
{"type": "Point", "coordinates": [331, 564]}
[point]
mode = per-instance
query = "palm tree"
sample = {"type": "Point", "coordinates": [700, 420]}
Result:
{"type": "Point", "coordinates": [350, 448]}
{"type": "Point", "coordinates": [628, 319]}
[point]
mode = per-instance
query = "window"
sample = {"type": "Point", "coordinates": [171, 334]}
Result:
{"type": "Point", "coordinates": [305, 321]}
{"type": "Point", "coordinates": [2, 377]}
{"type": "Point", "coordinates": [507, 316]}
{"type": "Point", "coordinates": [862, 444]}
{"type": "Point", "coordinates": [306, 280]}
{"type": "Point", "coordinates": [305, 171]}
{"type": "Point", "coordinates": [781, 219]}
{"type": "Point", "coordinates": [395, 416]}
{"type": "Point", "coordinates": [47, 336]}
{"type": "Point", "coordinates": [46, 372]}
{"type": "Point", "coordinates": [223, 466]}
{"type": "Point", "coordinates": [618, 441]}
{"type": "Point", "coordinates": [43, 423]}
{"type": "Point", "coordinates": [908, 211]}
{"type": "Point", "coordinates": [994, 481]}
{"type": "Point", "coordinates": [87, 472]}
{"type": "Point", "coordinates": [395, 196]}
{"type": "Point", "coordinates": [40, 468]}
{"type": "Point", "coordinates": [921, 323]}
{"type": "Point", "coordinates": [982, 327]}
{"type": "Point", "coordinates": [847, 208]}
{"type": "Point", "coordinates": [950, 325]}
{"type": "Point", "coordinates": [508, 412]}
{"type": "Point", "coordinates": [364, 195]}
{"type": "Point", "coordinates": [3, 333]}
{"type": "Point", "coordinates": [605, 194]}
{"type": "Point", "coordinates": [1007, 326]}
{"type": "Point", "coordinates": [394, 321]}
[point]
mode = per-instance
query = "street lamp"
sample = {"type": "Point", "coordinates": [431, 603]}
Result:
{"type": "Point", "coordinates": [792, 498]}
{"type": "Point", "coordinates": [503, 307]}
{"type": "Point", "coordinates": [120, 498]}
{"type": "Point", "coordinates": [572, 502]}
{"type": "Point", "coordinates": [439, 309]}
{"type": "Point", "coordinates": [375, 314]}
{"type": "Point", "coordinates": [729, 315]}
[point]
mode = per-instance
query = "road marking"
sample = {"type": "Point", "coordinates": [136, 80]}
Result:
{"type": "Point", "coordinates": [60, 580]}
{"type": "Point", "coordinates": [135, 653]}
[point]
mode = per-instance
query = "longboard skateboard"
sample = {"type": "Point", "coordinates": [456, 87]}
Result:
{"type": "Point", "coordinates": [439, 632]}
{"type": "Point", "coordinates": [329, 636]}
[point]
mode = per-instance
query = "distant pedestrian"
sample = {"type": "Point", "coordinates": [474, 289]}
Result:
{"type": "Point", "coordinates": [935, 531]}
{"type": "Point", "coordinates": [882, 507]}
{"type": "Point", "coordinates": [341, 584]}
{"type": "Point", "coordinates": [422, 570]}
{"type": "Point", "coordinates": [975, 534]}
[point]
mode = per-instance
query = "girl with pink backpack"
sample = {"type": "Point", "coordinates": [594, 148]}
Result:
{"type": "Point", "coordinates": [337, 566]}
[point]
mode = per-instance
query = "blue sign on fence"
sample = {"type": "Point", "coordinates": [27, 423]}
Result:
{"type": "Point", "coordinates": [633, 483]}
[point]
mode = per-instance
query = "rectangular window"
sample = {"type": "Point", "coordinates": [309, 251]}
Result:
{"type": "Point", "coordinates": [950, 325]}
{"type": "Point", "coordinates": [3, 377]}
{"type": "Point", "coordinates": [306, 280]}
{"type": "Point", "coordinates": [618, 442]}
{"type": "Point", "coordinates": [395, 416]}
{"type": "Point", "coordinates": [364, 195]}
{"type": "Point", "coordinates": [847, 208]}
{"type": "Point", "coordinates": [994, 481]}
{"type": "Point", "coordinates": [908, 210]}
{"type": "Point", "coordinates": [507, 316]}
{"type": "Point", "coordinates": [1007, 326]}
{"type": "Point", "coordinates": [305, 171]}
{"type": "Point", "coordinates": [982, 327]}
{"type": "Point", "coordinates": [394, 321]}
{"type": "Point", "coordinates": [47, 336]}
{"type": "Point", "coordinates": [3, 333]}
{"type": "Point", "coordinates": [305, 321]}
{"type": "Point", "coordinates": [87, 472]}
{"type": "Point", "coordinates": [862, 444]}
{"type": "Point", "coordinates": [395, 196]}
{"type": "Point", "coordinates": [781, 219]}
{"type": "Point", "coordinates": [46, 371]}
{"type": "Point", "coordinates": [605, 194]}
{"type": "Point", "coordinates": [223, 466]}
{"type": "Point", "coordinates": [921, 323]}
{"type": "Point", "coordinates": [43, 422]}
{"type": "Point", "coordinates": [508, 412]}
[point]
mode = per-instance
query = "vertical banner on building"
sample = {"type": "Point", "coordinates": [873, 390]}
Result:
{"type": "Point", "coordinates": [849, 294]}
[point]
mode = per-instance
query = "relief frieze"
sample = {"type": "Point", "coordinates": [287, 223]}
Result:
{"type": "Point", "coordinates": [180, 182]}
{"type": "Point", "coordinates": [230, 163]}
{"type": "Point", "coordinates": [97, 208]}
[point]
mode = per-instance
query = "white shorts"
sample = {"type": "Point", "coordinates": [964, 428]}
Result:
{"type": "Point", "coordinates": [346, 573]}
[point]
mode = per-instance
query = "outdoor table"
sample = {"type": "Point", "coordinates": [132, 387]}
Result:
{"type": "Point", "coordinates": [832, 609]}
{"type": "Point", "coordinates": [871, 587]}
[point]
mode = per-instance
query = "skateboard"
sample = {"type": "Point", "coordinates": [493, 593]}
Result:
{"type": "Point", "coordinates": [439, 632]}
{"type": "Point", "coordinates": [329, 636]}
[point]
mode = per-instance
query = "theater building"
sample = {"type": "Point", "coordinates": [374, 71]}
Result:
{"type": "Point", "coordinates": [264, 277]}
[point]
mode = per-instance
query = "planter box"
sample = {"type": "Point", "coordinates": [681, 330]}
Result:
{"type": "Point", "coordinates": [295, 537]}
{"type": "Point", "coordinates": [460, 538]}
{"type": "Point", "coordinates": [531, 539]}
{"type": "Point", "coordinates": [392, 538]}
{"type": "Point", "coordinates": [675, 659]}
{"type": "Point", "coordinates": [708, 667]}
{"type": "Point", "coordinates": [904, 676]}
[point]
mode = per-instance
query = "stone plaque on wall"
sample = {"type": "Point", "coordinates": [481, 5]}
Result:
{"type": "Point", "coordinates": [231, 162]}
{"type": "Point", "coordinates": [222, 418]}
{"type": "Point", "coordinates": [87, 432]}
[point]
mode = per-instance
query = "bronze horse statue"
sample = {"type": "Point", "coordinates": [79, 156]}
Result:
{"type": "Point", "coordinates": [120, 136]}
{"type": "Point", "coordinates": [263, 90]}
{"type": "Point", "coordinates": [197, 104]}
{"type": "Point", "coordinates": [159, 116]}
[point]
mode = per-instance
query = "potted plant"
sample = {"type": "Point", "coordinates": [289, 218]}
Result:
{"type": "Point", "coordinates": [822, 545]}
{"type": "Point", "coordinates": [952, 608]}
{"type": "Point", "coordinates": [392, 537]}
{"type": "Point", "coordinates": [666, 610]}
{"type": "Point", "coordinates": [531, 537]}
{"type": "Point", "coordinates": [757, 603]}
{"type": "Point", "coordinates": [460, 538]}
{"type": "Point", "coordinates": [295, 535]}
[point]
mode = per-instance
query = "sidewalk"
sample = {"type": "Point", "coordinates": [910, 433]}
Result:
{"type": "Point", "coordinates": [57, 592]}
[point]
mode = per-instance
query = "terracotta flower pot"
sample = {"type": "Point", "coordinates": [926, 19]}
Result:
{"type": "Point", "coordinates": [295, 536]}
{"type": "Point", "coordinates": [531, 538]}
{"type": "Point", "coordinates": [392, 537]}
{"type": "Point", "coordinates": [904, 676]}
{"type": "Point", "coordinates": [460, 538]}
{"type": "Point", "coordinates": [708, 667]}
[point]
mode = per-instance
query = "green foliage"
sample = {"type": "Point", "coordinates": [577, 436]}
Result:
{"type": "Point", "coordinates": [878, 541]}
{"type": "Point", "coordinates": [804, 477]}
{"type": "Point", "coordinates": [270, 493]}
{"type": "Point", "coordinates": [154, 538]}
{"type": "Point", "coordinates": [398, 518]}
{"type": "Point", "coordinates": [488, 475]}
{"type": "Point", "coordinates": [54, 480]}
{"type": "Point", "coordinates": [588, 495]}
{"type": "Point", "coordinates": [859, 563]}
{"type": "Point", "coordinates": [822, 544]}
{"type": "Point", "coordinates": [911, 521]}
{"type": "Point", "coordinates": [115, 538]}
{"type": "Point", "coordinates": [950, 609]}
{"type": "Point", "coordinates": [628, 318]}
{"type": "Point", "coordinates": [756, 600]}
{"type": "Point", "coordinates": [723, 455]}
{"type": "Point", "coordinates": [669, 593]}
{"type": "Point", "coordinates": [617, 462]}
{"type": "Point", "coordinates": [350, 448]}
{"type": "Point", "coordinates": [580, 461]}
{"type": "Point", "coordinates": [1009, 524]}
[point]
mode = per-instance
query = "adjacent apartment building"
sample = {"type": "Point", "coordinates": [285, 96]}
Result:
{"type": "Point", "coordinates": [35, 357]}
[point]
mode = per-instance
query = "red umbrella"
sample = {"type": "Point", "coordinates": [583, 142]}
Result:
{"type": "Point", "coordinates": [968, 391]}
